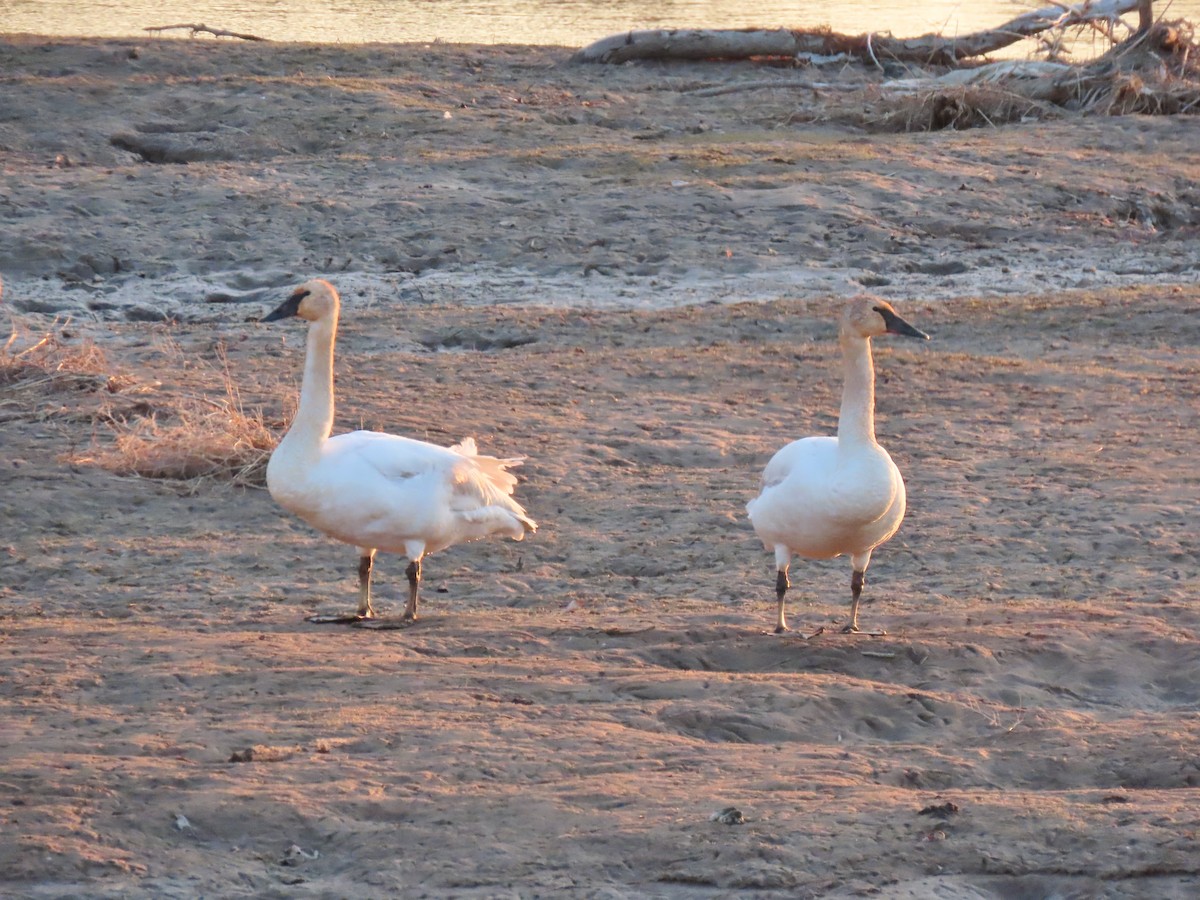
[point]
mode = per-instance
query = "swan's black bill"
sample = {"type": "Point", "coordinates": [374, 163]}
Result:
{"type": "Point", "coordinates": [896, 325]}
{"type": "Point", "coordinates": [287, 309]}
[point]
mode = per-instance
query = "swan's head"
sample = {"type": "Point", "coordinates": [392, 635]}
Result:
{"type": "Point", "coordinates": [313, 300]}
{"type": "Point", "coordinates": [868, 317]}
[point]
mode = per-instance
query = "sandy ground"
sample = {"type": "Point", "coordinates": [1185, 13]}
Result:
{"type": "Point", "coordinates": [637, 287]}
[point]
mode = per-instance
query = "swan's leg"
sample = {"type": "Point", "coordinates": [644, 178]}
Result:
{"type": "Point", "coordinates": [365, 564]}
{"type": "Point", "coordinates": [783, 559]}
{"type": "Point", "coordinates": [857, 579]}
{"type": "Point", "coordinates": [781, 586]}
{"type": "Point", "coordinates": [366, 561]}
{"type": "Point", "coordinates": [408, 617]}
{"type": "Point", "coordinates": [414, 584]}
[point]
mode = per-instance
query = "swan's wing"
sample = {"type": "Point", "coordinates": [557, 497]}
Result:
{"type": "Point", "coordinates": [814, 456]}
{"type": "Point", "coordinates": [776, 472]}
{"type": "Point", "coordinates": [390, 455]}
{"type": "Point", "coordinates": [794, 475]}
{"type": "Point", "coordinates": [475, 482]}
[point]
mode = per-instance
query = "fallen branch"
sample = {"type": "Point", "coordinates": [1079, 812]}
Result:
{"type": "Point", "coordinates": [929, 49]}
{"type": "Point", "coordinates": [772, 84]}
{"type": "Point", "coordinates": [215, 32]}
{"type": "Point", "coordinates": [1026, 77]}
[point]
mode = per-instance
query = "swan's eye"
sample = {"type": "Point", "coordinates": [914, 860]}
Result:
{"type": "Point", "coordinates": [299, 295]}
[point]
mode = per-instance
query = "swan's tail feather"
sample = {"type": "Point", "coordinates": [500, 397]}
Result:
{"type": "Point", "coordinates": [487, 478]}
{"type": "Point", "coordinates": [510, 521]}
{"type": "Point", "coordinates": [495, 470]}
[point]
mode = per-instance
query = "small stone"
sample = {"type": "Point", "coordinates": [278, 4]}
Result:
{"type": "Point", "coordinates": [730, 815]}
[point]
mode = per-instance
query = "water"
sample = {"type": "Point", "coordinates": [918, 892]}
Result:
{"type": "Point", "coordinates": [566, 22]}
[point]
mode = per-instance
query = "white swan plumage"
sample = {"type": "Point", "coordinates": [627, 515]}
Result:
{"type": "Point", "coordinates": [822, 497]}
{"type": "Point", "coordinates": [380, 491]}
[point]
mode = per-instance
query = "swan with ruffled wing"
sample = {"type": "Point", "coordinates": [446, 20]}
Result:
{"type": "Point", "coordinates": [380, 491]}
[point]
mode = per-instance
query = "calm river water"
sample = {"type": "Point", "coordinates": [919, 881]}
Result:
{"type": "Point", "coordinates": [567, 22]}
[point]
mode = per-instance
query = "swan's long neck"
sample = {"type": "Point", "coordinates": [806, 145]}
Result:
{"type": "Point", "coordinates": [314, 416]}
{"type": "Point", "coordinates": [857, 421]}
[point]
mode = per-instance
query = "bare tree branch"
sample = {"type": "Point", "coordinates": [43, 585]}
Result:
{"type": "Point", "coordinates": [215, 32]}
{"type": "Point", "coordinates": [1145, 15]}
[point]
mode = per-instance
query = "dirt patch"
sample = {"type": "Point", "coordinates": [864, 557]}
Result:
{"type": "Point", "coordinates": [180, 179]}
{"type": "Point", "coordinates": [636, 287]}
{"type": "Point", "coordinates": [582, 708]}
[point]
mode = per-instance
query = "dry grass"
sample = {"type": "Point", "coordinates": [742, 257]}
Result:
{"type": "Point", "coordinates": [206, 442]}
{"type": "Point", "coordinates": [51, 373]}
{"type": "Point", "coordinates": [35, 363]}
{"type": "Point", "coordinates": [959, 108]}
{"type": "Point", "coordinates": [194, 441]}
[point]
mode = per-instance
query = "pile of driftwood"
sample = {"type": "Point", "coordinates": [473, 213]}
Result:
{"type": "Point", "coordinates": [1156, 72]}
{"type": "Point", "coordinates": [934, 82]}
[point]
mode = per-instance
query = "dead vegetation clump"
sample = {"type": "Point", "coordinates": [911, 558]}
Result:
{"type": "Point", "coordinates": [1155, 73]}
{"type": "Point", "coordinates": [222, 443]}
{"type": "Point", "coordinates": [36, 364]}
{"type": "Point", "coordinates": [958, 109]}
{"type": "Point", "coordinates": [50, 374]}
{"type": "Point", "coordinates": [194, 441]}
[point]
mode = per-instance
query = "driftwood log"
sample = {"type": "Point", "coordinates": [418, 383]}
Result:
{"type": "Point", "coordinates": [204, 29]}
{"type": "Point", "coordinates": [929, 49]}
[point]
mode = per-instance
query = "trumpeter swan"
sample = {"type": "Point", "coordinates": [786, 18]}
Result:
{"type": "Point", "coordinates": [825, 496]}
{"type": "Point", "coordinates": [380, 491]}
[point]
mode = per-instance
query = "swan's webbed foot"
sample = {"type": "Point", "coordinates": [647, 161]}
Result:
{"type": "Point", "coordinates": [389, 623]}
{"type": "Point", "coordinates": [788, 631]}
{"type": "Point", "coordinates": [854, 629]}
{"type": "Point", "coordinates": [337, 619]}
